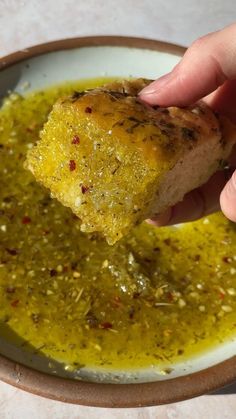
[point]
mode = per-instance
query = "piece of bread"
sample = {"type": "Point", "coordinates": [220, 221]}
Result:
{"type": "Point", "coordinates": [116, 161]}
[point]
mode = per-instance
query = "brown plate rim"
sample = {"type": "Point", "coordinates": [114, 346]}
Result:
{"type": "Point", "coordinates": [100, 394]}
{"type": "Point", "coordinates": [89, 41]}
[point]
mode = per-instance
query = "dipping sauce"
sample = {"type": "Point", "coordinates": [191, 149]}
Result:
{"type": "Point", "coordinates": [158, 296]}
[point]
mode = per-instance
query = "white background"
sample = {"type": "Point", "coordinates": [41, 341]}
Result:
{"type": "Point", "coordinates": [25, 23]}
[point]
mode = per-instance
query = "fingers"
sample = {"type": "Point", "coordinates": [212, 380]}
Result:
{"type": "Point", "coordinates": [228, 198]}
{"type": "Point", "coordinates": [208, 68]}
{"type": "Point", "coordinates": [206, 65]}
{"type": "Point", "coordinates": [196, 204]}
{"type": "Point", "coordinates": [223, 100]}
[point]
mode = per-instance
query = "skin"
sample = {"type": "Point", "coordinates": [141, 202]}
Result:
{"type": "Point", "coordinates": [207, 70]}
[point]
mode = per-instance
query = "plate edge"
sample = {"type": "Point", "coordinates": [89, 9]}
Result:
{"type": "Point", "coordinates": [89, 41]}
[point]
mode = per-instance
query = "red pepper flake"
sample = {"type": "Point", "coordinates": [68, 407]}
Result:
{"type": "Point", "coordinates": [92, 320]}
{"type": "Point", "coordinates": [84, 189]}
{"type": "Point", "coordinates": [72, 165]}
{"type": "Point", "coordinates": [226, 259]}
{"type": "Point", "coordinates": [26, 220]}
{"type": "Point", "coordinates": [76, 140]}
{"type": "Point", "coordinates": [116, 302]}
{"type": "Point", "coordinates": [221, 295]}
{"type": "Point", "coordinates": [170, 296]}
{"type": "Point", "coordinates": [88, 109]}
{"type": "Point", "coordinates": [106, 325]}
{"type": "Point", "coordinates": [15, 303]}
{"type": "Point", "coordinates": [10, 290]}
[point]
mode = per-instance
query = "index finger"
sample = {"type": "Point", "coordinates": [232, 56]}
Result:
{"type": "Point", "coordinates": [206, 65]}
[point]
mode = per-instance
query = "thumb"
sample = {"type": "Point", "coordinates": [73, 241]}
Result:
{"type": "Point", "coordinates": [228, 198]}
{"type": "Point", "coordinates": [206, 65]}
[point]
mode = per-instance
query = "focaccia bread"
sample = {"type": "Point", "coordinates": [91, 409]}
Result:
{"type": "Point", "coordinates": [116, 161]}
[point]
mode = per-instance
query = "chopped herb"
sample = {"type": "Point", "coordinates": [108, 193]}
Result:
{"type": "Point", "coordinates": [188, 134]}
{"type": "Point", "coordinates": [53, 272]}
{"type": "Point", "coordinates": [77, 95]}
{"type": "Point", "coordinates": [92, 319]}
{"type": "Point", "coordinates": [12, 252]}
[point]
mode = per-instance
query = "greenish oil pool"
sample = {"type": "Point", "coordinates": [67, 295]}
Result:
{"type": "Point", "coordinates": [156, 297]}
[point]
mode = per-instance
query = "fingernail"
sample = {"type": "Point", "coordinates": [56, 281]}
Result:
{"type": "Point", "coordinates": [228, 198]}
{"type": "Point", "coordinates": [231, 187]}
{"type": "Point", "coordinates": [161, 219]}
{"type": "Point", "coordinates": [156, 85]}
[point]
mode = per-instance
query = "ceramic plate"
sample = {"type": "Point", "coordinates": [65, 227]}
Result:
{"type": "Point", "coordinates": [69, 60]}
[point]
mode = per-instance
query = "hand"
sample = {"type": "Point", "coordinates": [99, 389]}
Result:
{"type": "Point", "coordinates": [208, 69]}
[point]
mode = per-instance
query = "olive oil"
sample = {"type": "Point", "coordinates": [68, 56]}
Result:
{"type": "Point", "coordinates": [158, 296]}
